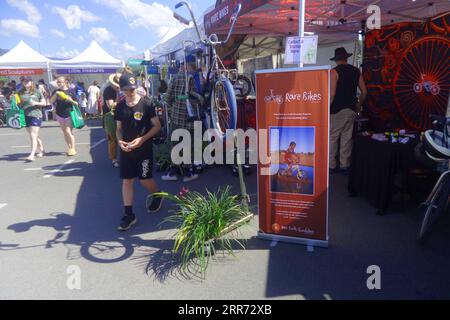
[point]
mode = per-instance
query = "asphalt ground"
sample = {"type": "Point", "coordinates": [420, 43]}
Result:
{"type": "Point", "coordinates": [60, 213]}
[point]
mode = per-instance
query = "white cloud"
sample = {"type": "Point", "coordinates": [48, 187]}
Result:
{"type": "Point", "coordinates": [9, 27]}
{"type": "Point", "coordinates": [128, 47]}
{"type": "Point", "coordinates": [64, 53]}
{"type": "Point", "coordinates": [33, 14]}
{"type": "Point", "coordinates": [73, 16]}
{"type": "Point", "coordinates": [101, 34]}
{"type": "Point", "coordinates": [58, 33]}
{"type": "Point", "coordinates": [153, 17]}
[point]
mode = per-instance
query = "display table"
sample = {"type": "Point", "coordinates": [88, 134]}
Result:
{"type": "Point", "coordinates": [375, 166]}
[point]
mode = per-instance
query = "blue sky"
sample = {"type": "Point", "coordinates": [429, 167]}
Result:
{"type": "Point", "coordinates": [63, 28]}
{"type": "Point", "coordinates": [303, 137]}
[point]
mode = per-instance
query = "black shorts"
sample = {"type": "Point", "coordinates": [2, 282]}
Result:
{"type": "Point", "coordinates": [137, 164]}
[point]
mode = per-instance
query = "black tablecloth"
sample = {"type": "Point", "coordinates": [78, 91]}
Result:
{"type": "Point", "coordinates": [374, 166]}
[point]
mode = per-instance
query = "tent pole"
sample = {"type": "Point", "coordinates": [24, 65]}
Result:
{"type": "Point", "coordinates": [301, 21]}
{"type": "Point", "coordinates": [49, 73]}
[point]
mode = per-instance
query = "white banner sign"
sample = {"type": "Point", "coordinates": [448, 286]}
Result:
{"type": "Point", "coordinates": [301, 50]}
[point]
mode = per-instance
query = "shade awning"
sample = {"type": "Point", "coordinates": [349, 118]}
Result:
{"type": "Point", "coordinates": [334, 20]}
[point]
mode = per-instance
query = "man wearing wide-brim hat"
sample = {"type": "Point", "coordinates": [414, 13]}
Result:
{"type": "Point", "coordinates": [345, 81]}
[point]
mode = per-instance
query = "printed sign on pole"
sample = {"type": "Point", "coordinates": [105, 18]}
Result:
{"type": "Point", "coordinates": [293, 111]}
{"type": "Point", "coordinates": [301, 50]}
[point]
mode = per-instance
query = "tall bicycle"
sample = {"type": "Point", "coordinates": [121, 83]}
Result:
{"type": "Point", "coordinates": [220, 96]}
{"type": "Point", "coordinates": [435, 147]}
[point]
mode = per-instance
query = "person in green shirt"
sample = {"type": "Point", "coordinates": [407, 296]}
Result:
{"type": "Point", "coordinates": [32, 101]}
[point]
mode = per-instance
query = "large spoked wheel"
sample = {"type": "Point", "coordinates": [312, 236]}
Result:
{"type": "Point", "coordinates": [436, 207]}
{"type": "Point", "coordinates": [107, 251]}
{"type": "Point", "coordinates": [223, 107]}
{"type": "Point", "coordinates": [422, 80]}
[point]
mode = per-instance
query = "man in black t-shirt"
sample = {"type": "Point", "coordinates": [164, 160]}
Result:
{"type": "Point", "coordinates": [137, 124]}
{"type": "Point", "coordinates": [345, 80]}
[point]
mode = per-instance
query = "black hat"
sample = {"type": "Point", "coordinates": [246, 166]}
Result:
{"type": "Point", "coordinates": [341, 54]}
{"type": "Point", "coordinates": [127, 81]}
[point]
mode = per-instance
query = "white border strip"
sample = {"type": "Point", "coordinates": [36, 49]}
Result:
{"type": "Point", "coordinates": [307, 242]}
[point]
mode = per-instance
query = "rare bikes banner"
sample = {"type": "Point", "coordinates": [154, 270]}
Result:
{"type": "Point", "coordinates": [293, 127]}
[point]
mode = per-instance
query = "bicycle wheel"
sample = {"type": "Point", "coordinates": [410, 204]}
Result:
{"type": "Point", "coordinates": [436, 207]}
{"type": "Point", "coordinates": [243, 86]}
{"type": "Point", "coordinates": [223, 107]}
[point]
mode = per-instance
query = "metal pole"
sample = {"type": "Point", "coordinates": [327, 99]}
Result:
{"type": "Point", "coordinates": [301, 22]}
{"type": "Point", "coordinates": [49, 73]}
{"type": "Point", "coordinates": [146, 80]}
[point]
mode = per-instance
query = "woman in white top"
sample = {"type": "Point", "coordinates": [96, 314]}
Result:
{"type": "Point", "coordinates": [93, 95]}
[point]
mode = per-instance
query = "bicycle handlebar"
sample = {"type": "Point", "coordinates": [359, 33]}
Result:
{"type": "Point", "coordinates": [210, 40]}
{"type": "Point", "coordinates": [188, 6]}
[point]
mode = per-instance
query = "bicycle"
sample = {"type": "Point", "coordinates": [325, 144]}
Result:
{"type": "Point", "coordinates": [220, 95]}
{"type": "Point", "coordinates": [300, 174]}
{"type": "Point", "coordinates": [436, 148]}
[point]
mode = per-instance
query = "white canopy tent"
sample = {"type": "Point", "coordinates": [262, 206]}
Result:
{"type": "Point", "coordinates": [94, 56]}
{"type": "Point", "coordinates": [175, 44]}
{"type": "Point", "coordinates": [91, 65]}
{"type": "Point", "coordinates": [22, 56]}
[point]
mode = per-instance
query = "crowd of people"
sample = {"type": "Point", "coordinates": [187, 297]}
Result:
{"type": "Point", "coordinates": [129, 119]}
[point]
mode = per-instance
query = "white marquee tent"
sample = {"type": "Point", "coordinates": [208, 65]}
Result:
{"type": "Point", "coordinates": [23, 56]}
{"type": "Point", "coordinates": [94, 56]}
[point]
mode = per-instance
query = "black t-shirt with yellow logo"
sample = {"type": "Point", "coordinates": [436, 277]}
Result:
{"type": "Point", "coordinates": [136, 121]}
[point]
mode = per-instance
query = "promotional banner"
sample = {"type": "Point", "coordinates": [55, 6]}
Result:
{"type": "Point", "coordinates": [293, 108]}
{"type": "Point", "coordinates": [86, 71]}
{"type": "Point", "coordinates": [21, 72]}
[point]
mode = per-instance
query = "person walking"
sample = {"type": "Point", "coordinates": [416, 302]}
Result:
{"type": "Point", "coordinates": [32, 101]}
{"type": "Point", "coordinates": [179, 118]}
{"type": "Point", "coordinates": [93, 98]}
{"type": "Point", "coordinates": [111, 98]}
{"type": "Point", "coordinates": [137, 124]}
{"type": "Point", "coordinates": [345, 81]}
{"type": "Point", "coordinates": [64, 100]}
{"type": "Point", "coordinates": [43, 88]}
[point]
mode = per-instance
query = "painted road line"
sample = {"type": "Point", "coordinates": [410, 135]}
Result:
{"type": "Point", "coordinates": [11, 134]}
{"type": "Point", "coordinates": [82, 143]}
{"type": "Point", "coordinates": [2, 205]}
{"type": "Point", "coordinates": [17, 147]}
{"type": "Point", "coordinates": [32, 169]}
{"type": "Point", "coordinates": [59, 169]}
{"type": "Point", "coordinates": [98, 143]}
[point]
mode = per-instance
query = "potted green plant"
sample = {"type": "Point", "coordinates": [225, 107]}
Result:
{"type": "Point", "coordinates": [162, 156]}
{"type": "Point", "coordinates": [205, 223]}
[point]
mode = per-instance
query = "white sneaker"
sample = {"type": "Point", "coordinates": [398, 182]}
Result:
{"type": "Point", "coordinates": [190, 177]}
{"type": "Point", "coordinates": [169, 177]}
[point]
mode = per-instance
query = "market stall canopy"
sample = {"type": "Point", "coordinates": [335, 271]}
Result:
{"type": "Point", "coordinates": [176, 43]}
{"type": "Point", "coordinates": [333, 20]}
{"type": "Point", "coordinates": [23, 56]}
{"type": "Point", "coordinates": [93, 56]}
